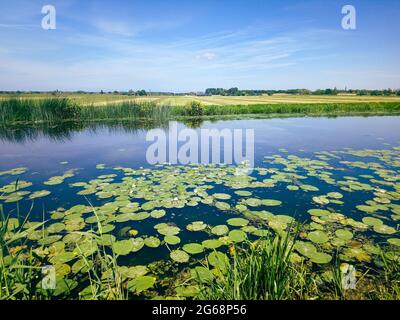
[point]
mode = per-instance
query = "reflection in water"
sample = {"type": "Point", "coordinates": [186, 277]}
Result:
{"type": "Point", "coordinates": [63, 131]}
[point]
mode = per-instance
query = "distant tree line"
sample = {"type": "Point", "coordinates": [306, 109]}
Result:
{"type": "Point", "coordinates": [329, 91]}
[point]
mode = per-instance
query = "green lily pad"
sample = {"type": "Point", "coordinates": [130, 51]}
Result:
{"type": "Point", "coordinates": [39, 194]}
{"type": "Point", "coordinates": [157, 214]}
{"type": "Point", "coordinates": [141, 284]}
{"type": "Point", "coordinates": [123, 247]}
{"type": "Point", "coordinates": [179, 256]}
{"type": "Point", "coordinates": [394, 241]}
{"type": "Point", "coordinates": [220, 230]}
{"type": "Point", "coordinates": [243, 193]}
{"type": "Point", "coordinates": [218, 260]}
{"type": "Point", "coordinates": [168, 230]}
{"type": "Point", "coordinates": [202, 274]}
{"type": "Point", "coordinates": [372, 221]}
{"type": "Point", "coordinates": [238, 222]}
{"type": "Point", "coordinates": [344, 234]}
{"type": "Point", "coordinates": [172, 240]}
{"type": "Point", "coordinates": [271, 202]}
{"type": "Point", "coordinates": [193, 248]}
{"type": "Point", "coordinates": [196, 226]}
{"type": "Point", "coordinates": [237, 235]}
{"type": "Point", "coordinates": [318, 212]}
{"type": "Point", "coordinates": [320, 258]}
{"type": "Point", "coordinates": [383, 229]}
{"type": "Point", "coordinates": [318, 236]}
{"type": "Point", "coordinates": [212, 243]}
{"type": "Point", "coordinates": [223, 206]}
{"type": "Point", "coordinates": [152, 242]}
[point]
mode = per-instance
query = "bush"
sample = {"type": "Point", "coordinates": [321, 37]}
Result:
{"type": "Point", "coordinates": [194, 109]}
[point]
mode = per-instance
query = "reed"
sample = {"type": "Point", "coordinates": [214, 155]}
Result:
{"type": "Point", "coordinates": [53, 110]}
{"type": "Point", "coordinates": [261, 272]}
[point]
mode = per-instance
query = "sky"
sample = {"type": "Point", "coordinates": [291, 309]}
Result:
{"type": "Point", "coordinates": [182, 46]}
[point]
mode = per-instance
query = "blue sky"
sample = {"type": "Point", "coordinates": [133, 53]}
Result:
{"type": "Point", "coordinates": [172, 45]}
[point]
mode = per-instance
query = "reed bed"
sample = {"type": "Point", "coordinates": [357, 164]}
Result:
{"type": "Point", "coordinates": [54, 110]}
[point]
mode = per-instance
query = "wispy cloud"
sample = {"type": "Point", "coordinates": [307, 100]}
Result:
{"type": "Point", "coordinates": [206, 56]}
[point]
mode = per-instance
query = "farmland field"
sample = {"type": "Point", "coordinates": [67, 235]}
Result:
{"type": "Point", "coordinates": [98, 99]}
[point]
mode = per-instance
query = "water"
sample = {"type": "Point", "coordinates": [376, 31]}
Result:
{"type": "Point", "coordinates": [44, 150]}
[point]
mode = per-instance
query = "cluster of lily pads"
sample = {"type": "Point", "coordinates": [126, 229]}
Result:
{"type": "Point", "coordinates": [123, 199]}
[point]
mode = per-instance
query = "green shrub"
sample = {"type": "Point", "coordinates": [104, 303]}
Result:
{"type": "Point", "coordinates": [194, 109]}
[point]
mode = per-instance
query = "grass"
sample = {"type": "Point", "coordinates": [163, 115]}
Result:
{"type": "Point", "coordinates": [262, 272]}
{"type": "Point", "coordinates": [54, 110]}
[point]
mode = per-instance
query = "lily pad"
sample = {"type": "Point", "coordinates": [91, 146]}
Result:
{"type": "Point", "coordinates": [196, 226]}
{"type": "Point", "coordinates": [172, 240]}
{"type": "Point", "coordinates": [141, 284]}
{"type": "Point", "coordinates": [220, 230]}
{"type": "Point", "coordinates": [238, 222]}
{"type": "Point", "coordinates": [152, 242]}
{"type": "Point", "coordinates": [179, 256]}
{"type": "Point", "coordinates": [193, 248]}
{"type": "Point", "coordinates": [318, 236]}
{"type": "Point", "coordinates": [237, 235]}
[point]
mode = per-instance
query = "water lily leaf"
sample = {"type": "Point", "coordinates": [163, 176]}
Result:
{"type": "Point", "coordinates": [202, 274]}
{"type": "Point", "coordinates": [152, 242]}
{"type": "Point", "coordinates": [137, 244]}
{"type": "Point", "coordinates": [168, 230]}
{"type": "Point", "coordinates": [305, 248]}
{"type": "Point", "coordinates": [237, 235]}
{"type": "Point", "coordinates": [318, 236]}
{"type": "Point", "coordinates": [221, 196]}
{"type": "Point", "coordinates": [320, 258]}
{"type": "Point", "coordinates": [220, 230]}
{"type": "Point", "coordinates": [383, 229]}
{"type": "Point", "coordinates": [123, 247]}
{"type": "Point", "coordinates": [344, 234]}
{"type": "Point", "coordinates": [135, 271]}
{"type": "Point", "coordinates": [238, 222]}
{"type": "Point", "coordinates": [243, 193]}
{"type": "Point", "coordinates": [196, 226]}
{"type": "Point", "coordinates": [372, 221]}
{"type": "Point", "coordinates": [141, 284]}
{"type": "Point", "coordinates": [318, 212]}
{"type": "Point", "coordinates": [49, 239]}
{"type": "Point", "coordinates": [193, 248]}
{"type": "Point", "coordinates": [63, 257]}
{"type": "Point", "coordinates": [394, 241]}
{"type": "Point", "coordinates": [253, 202]}
{"type": "Point", "coordinates": [212, 243]}
{"type": "Point", "coordinates": [39, 194]}
{"type": "Point", "coordinates": [56, 227]}
{"type": "Point", "coordinates": [179, 256]}
{"type": "Point", "coordinates": [271, 202]}
{"type": "Point", "coordinates": [172, 240]}
{"type": "Point", "coordinates": [223, 206]}
{"type": "Point", "coordinates": [218, 260]}
{"type": "Point", "coordinates": [187, 291]}
{"type": "Point", "coordinates": [157, 214]}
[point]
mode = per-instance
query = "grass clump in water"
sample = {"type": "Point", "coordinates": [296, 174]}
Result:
{"type": "Point", "coordinates": [29, 110]}
{"type": "Point", "coordinates": [264, 271]}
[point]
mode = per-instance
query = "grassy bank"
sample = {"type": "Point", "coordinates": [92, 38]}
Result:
{"type": "Point", "coordinates": [63, 109]}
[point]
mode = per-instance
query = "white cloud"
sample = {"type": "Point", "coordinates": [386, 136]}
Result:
{"type": "Point", "coordinates": [206, 56]}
